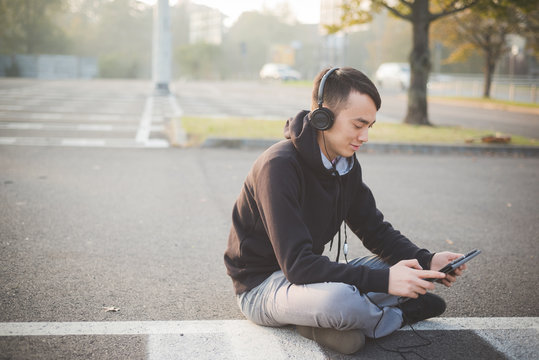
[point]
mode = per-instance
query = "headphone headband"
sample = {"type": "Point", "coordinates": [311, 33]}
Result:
{"type": "Point", "coordinates": [322, 118]}
{"type": "Point", "coordinates": [321, 87]}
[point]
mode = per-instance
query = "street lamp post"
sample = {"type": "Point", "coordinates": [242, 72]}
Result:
{"type": "Point", "coordinates": [514, 53]}
{"type": "Point", "coordinates": [512, 70]}
{"type": "Point", "coordinates": [161, 48]}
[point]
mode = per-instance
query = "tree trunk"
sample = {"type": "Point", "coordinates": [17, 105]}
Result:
{"type": "Point", "coordinates": [490, 64]}
{"type": "Point", "coordinates": [417, 113]}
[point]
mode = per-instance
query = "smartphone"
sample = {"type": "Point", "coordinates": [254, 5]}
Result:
{"type": "Point", "coordinates": [458, 262]}
{"type": "Point", "coordinates": [449, 268]}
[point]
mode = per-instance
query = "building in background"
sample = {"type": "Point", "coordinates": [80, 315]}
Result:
{"type": "Point", "coordinates": [206, 25]}
{"type": "Point", "coordinates": [335, 47]}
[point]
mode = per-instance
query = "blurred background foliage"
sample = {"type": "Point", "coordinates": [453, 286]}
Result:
{"type": "Point", "coordinates": [119, 33]}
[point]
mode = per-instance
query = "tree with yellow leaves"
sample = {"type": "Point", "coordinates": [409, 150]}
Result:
{"type": "Point", "coordinates": [421, 13]}
{"type": "Point", "coordinates": [485, 28]}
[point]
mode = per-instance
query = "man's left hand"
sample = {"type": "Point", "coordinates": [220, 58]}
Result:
{"type": "Point", "coordinates": [439, 260]}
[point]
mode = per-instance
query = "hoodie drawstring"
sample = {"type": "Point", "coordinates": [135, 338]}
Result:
{"type": "Point", "coordinates": [340, 207]}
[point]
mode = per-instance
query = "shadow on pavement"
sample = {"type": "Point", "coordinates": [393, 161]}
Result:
{"type": "Point", "coordinates": [446, 345]}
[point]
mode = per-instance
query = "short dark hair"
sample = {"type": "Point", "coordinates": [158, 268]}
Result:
{"type": "Point", "coordinates": [340, 84]}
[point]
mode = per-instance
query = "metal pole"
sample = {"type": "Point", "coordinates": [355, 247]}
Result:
{"type": "Point", "coordinates": [161, 48]}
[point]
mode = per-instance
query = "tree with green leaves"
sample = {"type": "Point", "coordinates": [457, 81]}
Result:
{"type": "Point", "coordinates": [123, 39]}
{"type": "Point", "coordinates": [29, 27]}
{"type": "Point", "coordinates": [248, 41]}
{"type": "Point", "coordinates": [485, 28]}
{"type": "Point", "coordinates": [421, 13]}
{"type": "Point", "coordinates": [200, 61]}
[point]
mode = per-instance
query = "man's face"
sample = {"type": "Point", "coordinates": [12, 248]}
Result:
{"type": "Point", "coordinates": [351, 127]}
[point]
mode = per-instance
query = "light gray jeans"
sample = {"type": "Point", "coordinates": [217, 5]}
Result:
{"type": "Point", "coordinates": [277, 302]}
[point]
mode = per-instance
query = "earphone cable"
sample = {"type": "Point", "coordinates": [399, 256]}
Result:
{"type": "Point", "coordinates": [338, 179]}
{"type": "Point", "coordinates": [340, 201]}
{"type": "Point", "coordinates": [401, 350]}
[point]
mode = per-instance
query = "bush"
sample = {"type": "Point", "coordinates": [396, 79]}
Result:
{"type": "Point", "coordinates": [118, 66]}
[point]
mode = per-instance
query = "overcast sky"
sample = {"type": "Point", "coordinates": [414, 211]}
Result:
{"type": "Point", "coordinates": [306, 11]}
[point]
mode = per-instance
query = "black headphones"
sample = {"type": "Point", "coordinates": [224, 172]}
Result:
{"type": "Point", "coordinates": [322, 118]}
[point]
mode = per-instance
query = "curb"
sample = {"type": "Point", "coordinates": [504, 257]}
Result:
{"type": "Point", "coordinates": [238, 143]}
{"type": "Point", "coordinates": [391, 148]}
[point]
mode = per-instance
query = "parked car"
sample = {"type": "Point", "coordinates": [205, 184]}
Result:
{"type": "Point", "coordinates": [273, 71]}
{"type": "Point", "coordinates": [393, 75]}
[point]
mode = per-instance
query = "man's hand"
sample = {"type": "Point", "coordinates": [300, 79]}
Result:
{"type": "Point", "coordinates": [439, 260]}
{"type": "Point", "coordinates": [407, 278]}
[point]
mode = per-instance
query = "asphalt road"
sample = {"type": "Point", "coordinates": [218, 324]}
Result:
{"type": "Point", "coordinates": [445, 112]}
{"type": "Point", "coordinates": [84, 229]}
{"type": "Point", "coordinates": [144, 231]}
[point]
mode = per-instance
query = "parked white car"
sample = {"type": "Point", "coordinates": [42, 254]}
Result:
{"type": "Point", "coordinates": [393, 75]}
{"type": "Point", "coordinates": [273, 71]}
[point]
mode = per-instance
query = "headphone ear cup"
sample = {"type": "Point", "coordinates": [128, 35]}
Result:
{"type": "Point", "coordinates": [322, 119]}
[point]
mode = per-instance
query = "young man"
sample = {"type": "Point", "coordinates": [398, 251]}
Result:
{"type": "Point", "coordinates": [294, 201]}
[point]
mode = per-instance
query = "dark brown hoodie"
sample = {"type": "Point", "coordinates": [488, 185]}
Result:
{"type": "Point", "coordinates": [291, 206]}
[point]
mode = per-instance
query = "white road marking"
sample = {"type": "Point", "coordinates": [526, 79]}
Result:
{"type": "Point", "coordinates": [21, 126]}
{"type": "Point", "coordinates": [104, 117]}
{"type": "Point", "coordinates": [143, 133]}
{"type": "Point", "coordinates": [247, 341]}
{"type": "Point", "coordinates": [83, 142]}
{"type": "Point", "coordinates": [7, 140]}
{"type": "Point", "coordinates": [478, 323]}
{"type": "Point", "coordinates": [114, 114]}
{"type": "Point", "coordinates": [212, 326]}
{"type": "Point", "coordinates": [11, 107]}
{"type": "Point", "coordinates": [44, 116]}
{"type": "Point", "coordinates": [73, 127]}
{"type": "Point", "coordinates": [101, 127]}
{"type": "Point", "coordinates": [142, 138]}
{"type": "Point", "coordinates": [178, 134]}
{"type": "Point", "coordinates": [241, 339]}
{"type": "Point", "coordinates": [124, 118]}
{"type": "Point", "coordinates": [176, 110]}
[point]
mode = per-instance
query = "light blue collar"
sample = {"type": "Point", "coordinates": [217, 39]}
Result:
{"type": "Point", "coordinates": [343, 165]}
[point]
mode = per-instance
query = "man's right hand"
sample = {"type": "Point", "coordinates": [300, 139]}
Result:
{"type": "Point", "coordinates": [407, 278]}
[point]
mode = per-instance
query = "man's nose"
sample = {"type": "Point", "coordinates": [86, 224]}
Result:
{"type": "Point", "coordinates": [364, 136]}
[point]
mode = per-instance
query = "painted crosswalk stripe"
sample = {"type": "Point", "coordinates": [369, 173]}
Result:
{"type": "Point", "coordinates": [143, 133]}
{"type": "Point", "coordinates": [84, 142]}
{"type": "Point", "coordinates": [73, 127]}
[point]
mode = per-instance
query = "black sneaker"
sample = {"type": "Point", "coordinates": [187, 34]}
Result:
{"type": "Point", "coordinates": [424, 307]}
{"type": "Point", "coordinates": [345, 341]}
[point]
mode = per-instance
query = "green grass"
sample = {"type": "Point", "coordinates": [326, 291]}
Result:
{"type": "Point", "coordinates": [436, 134]}
{"type": "Point", "coordinates": [199, 128]}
